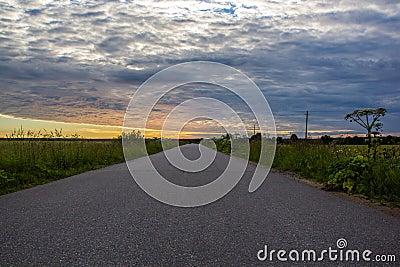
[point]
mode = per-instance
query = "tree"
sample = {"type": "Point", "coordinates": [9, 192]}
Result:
{"type": "Point", "coordinates": [294, 138]}
{"type": "Point", "coordinates": [368, 118]}
{"type": "Point", "coordinates": [256, 136]}
{"type": "Point", "coordinates": [326, 139]}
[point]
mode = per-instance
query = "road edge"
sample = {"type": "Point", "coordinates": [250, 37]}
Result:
{"type": "Point", "coordinates": [386, 208]}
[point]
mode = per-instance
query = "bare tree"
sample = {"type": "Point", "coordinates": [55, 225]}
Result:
{"type": "Point", "coordinates": [368, 118]}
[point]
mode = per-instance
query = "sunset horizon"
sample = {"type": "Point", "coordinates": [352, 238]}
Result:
{"type": "Point", "coordinates": [93, 131]}
{"type": "Point", "coordinates": [80, 62]}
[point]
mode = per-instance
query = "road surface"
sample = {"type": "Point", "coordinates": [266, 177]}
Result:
{"type": "Point", "coordinates": [103, 218]}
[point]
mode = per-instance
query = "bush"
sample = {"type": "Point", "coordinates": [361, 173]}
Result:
{"type": "Point", "coordinates": [350, 175]}
{"type": "Point", "coordinates": [223, 144]}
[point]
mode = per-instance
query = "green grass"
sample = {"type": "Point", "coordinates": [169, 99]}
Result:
{"type": "Point", "coordinates": [24, 164]}
{"type": "Point", "coordinates": [347, 168]}
{"type": "Point", "coordinates": [27, 163]}
{"type": "Point", "coordinates": [308, 161]}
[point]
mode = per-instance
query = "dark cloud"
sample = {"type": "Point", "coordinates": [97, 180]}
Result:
{"type": "Point", "coordinates": [89, 14]}
{"type": "Point", "coordinates": [39, 71]}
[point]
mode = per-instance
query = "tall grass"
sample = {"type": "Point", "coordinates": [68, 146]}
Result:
{"type": "Point", "coordinates": [348, 168]}
{"type": "Point", "coordinates": [310, 161]}
{"type": "Point", "coordinates": [30, 158]}
{"type": "Point", "coordinates": [24, 164]}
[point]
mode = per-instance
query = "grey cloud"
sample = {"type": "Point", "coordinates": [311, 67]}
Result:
{"type": "Point", "coordinates": [308, 55]}
{"type": "Point", "coordinates": [39, 71]}
{"type": "Point", "coordinates": [89, 14]}
{"type": "Point", "coordinates": [112, 44]}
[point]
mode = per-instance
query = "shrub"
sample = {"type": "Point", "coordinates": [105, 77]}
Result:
{"type": "Point", "coordinates": [351, 175]}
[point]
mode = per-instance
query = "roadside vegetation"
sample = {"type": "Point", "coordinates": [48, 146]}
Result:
{"type": "Point", "coordinates": [30, 158]}
{"type": "Point", "coordinates": [347, 168]}
{"type": "Point", "coordinates": [354, 169]}
{"type": "Point", "coordinates": [367, 166]}
{"type": "Point", "coordinates": [24, 164]}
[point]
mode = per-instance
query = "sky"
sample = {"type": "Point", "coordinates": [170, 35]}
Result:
{"type": "Point", "coordinates": [76, 64]}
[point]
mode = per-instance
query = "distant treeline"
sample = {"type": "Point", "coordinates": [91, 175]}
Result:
{"type": "Point", "coordinates": [59, 139]}
{"type": "Point", "coordinates": [355, 140]}
{"type": "Point", "coordinates": [181, 141]}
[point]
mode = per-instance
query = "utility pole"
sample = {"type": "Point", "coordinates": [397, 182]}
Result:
{"type": "Point", "coordinates": [306, 133]}
{"type": "Point", "coordinates": [254, 129]}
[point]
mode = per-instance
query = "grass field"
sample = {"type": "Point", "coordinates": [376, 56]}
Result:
{"type": "Point", "coordinates": [25, 164]}
{"type": "Point", "coordinates": [345, 168]}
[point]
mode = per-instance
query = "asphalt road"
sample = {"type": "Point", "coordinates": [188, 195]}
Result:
{"type": "Point", "coordinates": [103, 218]}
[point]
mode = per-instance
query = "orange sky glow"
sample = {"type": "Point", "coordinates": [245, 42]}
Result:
{"type": "Point", "coordinates": [85, 130]}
